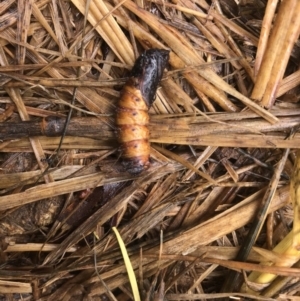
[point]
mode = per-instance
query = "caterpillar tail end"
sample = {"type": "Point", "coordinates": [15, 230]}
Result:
{"type": "Point", "coordinates": [136, 156]}
{"type": "Point", "coordinates": [136, 165]}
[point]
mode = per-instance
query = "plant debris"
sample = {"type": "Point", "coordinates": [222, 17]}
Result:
{"type": "Point", "coordinates": [215, 217]}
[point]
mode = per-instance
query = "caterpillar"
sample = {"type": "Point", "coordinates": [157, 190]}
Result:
{"type": "Point", "coordinates": [132, 118]}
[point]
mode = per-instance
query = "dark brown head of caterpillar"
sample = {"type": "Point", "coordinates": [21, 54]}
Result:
{"type": "Point", "coordinates": [148, 69]}
{"type": "Point", "coordinates": [132, 117]}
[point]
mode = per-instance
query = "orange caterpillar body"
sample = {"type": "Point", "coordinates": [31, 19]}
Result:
{"type": "Point", "coordinates": [132, 116]}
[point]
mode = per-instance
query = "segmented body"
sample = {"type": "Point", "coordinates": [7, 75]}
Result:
{"type": "Point", "coordinates": [132, 116]}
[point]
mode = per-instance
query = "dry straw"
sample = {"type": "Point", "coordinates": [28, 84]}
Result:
{"type": "Point", "coordinates": [224, 131]}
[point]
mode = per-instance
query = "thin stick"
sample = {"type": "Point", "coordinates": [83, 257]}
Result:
{"type": "Point", "coordinates": [231, 281]}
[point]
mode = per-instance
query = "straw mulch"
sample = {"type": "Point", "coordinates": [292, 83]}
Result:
{"type": "Point", "coordinates": [217, 213]}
